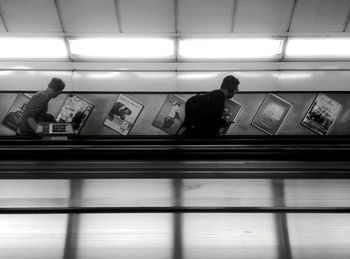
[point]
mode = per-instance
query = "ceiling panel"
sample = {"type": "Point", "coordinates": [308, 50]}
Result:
{"type": "Point", "coordinates": [30, 16]}
{"type": "Point", "coordinates": [41, 193]}
{"type": "Point", "coordinates": [89, 16]}
{"type": "Point", "coordinates": [227, 192]}
{"type": "Point", "coordinates": [320, 236]}
{"type": "Point", "coordinates": [229, 235]}
{"type": "Point", "coordinates": [320, 16]}
{"type": "Point", "coordinates": [317, 193]}
{"type": "Point", "coordinates": [124, 236]}
{"type": "Point", "coordinates": [150, 16]}
{"type": "Point", "coordinates": [205, 16]}
{"type": "Point", "coordinates": [126, 192]}
{"type": "Point", "coordinates": [262, 15]}
{"type": "Point", "coordinates": [32, 236]}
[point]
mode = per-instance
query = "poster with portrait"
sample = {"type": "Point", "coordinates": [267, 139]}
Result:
{"type": "Point", "coordinates": [322, 114]}
{"type": "Point", "coordinates": [232, 109]}
{"type": "Point", "coordinates": [123, 114]}
{"type": "Point", "coordinates": [76, 111]}
{"type": "Point", "coordinates": [14, 115]}
{"type": "Point", "coordinates": [171, 114]}
{"type": "Point", "coordinates": [271, 114]}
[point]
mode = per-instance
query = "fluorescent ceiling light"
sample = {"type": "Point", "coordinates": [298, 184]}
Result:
{"type": "Point", "coordinates": [199, 75]}
{"type": "Point", "coordinates": [253, 48]}
{"type": "Point", "coordinates": [32, 48]}
{"type": "Point", "coordinates": [122, 48]}
{"type": "Point", "coordinates": [318, 48]}
{"type": "Point", "coordinates": [295, 75]}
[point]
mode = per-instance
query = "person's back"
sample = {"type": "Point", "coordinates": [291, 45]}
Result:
{"type": "Point", "coordinates": [36, 109]}
{"type": "Point", "coordinates": [204, 112]}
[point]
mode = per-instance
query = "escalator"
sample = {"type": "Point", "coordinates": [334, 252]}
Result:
{"type": "Point", "coordinates": [175, 198]}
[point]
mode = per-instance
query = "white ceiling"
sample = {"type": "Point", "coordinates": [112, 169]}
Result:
{"type": "Point", "coordinates": [30, 16]}
{"type": "Point", "coordinates": [263, 16]}
{"type": "Point", "coordinates": [205, 16]}
{"type": "Point", "coordinates": [169, 16]}
{"type": "Point", "coordinates": [151, 16]}
{"type": "Point", "coordinates": [92, 16]}
{"type": "Point", "coordinates": [320, 15]}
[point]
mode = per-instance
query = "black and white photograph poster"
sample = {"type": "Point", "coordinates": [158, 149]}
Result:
{"type": "Point", "coordinates": [171, 114]}
{"type": "Point", "coordinates": [15, 113]}
{"type": "Point", "coordinates": [322, 114]}
{"type": "Point", "coordinates": [123, 114]}
{"type": "Point", "coordinates": [75, 110]}
{"type": "Point", "coordinates": [271, 114]}
{"type": "Point", "coordinates": [231, 112]}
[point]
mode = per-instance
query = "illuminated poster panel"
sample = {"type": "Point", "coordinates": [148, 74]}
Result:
{"type": "Point", "coordinates": [171, 114]}
{"type": "Point", "coordinates": [322, 114]}
{"type": "Point", "coordinates": [75, 110]}
{"type": "Point", "coordinates": [271, 114]}
{"type": "Point", "coordinates": [232, 109]}
{"type": "Point", "coordinates": [123, 115]}
{"type": "Point", "coordinates": [14, 115]}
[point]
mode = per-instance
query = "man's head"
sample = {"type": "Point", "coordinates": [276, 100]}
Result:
{"type": "Point", "coordinates": [229, 86]}
{"type": "Point", "coordinates": [56, 87]}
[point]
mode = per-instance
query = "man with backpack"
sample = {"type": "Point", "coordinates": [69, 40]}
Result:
{"type": "Point", "coordinates": [204, 112]}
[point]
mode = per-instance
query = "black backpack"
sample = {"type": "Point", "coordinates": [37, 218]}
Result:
{"type": "Point", "coordinates": [195, 109]}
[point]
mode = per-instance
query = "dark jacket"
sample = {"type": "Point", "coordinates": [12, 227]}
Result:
{"type": "Point", "coordinates": [203, 114]}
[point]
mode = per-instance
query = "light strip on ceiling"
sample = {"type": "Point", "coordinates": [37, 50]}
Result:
{"type": "Point", "coordinates": [122, 48]}
{"type": "Point", "coordinates": [33, 48]}
{"type": "Point", "coordinates": [230, 49]}
{"type": "Point", "coordinates": [318, 48]}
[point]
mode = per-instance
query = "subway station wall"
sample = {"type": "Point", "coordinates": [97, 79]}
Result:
{"type": "Point", "coordinates": [152, 103]}
{"type": "Point", "coordinates": [150, 89]}
{"type": "Point", "coordinates": [172, 81]}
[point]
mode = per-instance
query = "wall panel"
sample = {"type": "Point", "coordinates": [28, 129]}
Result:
{"type": "Point", "coordinates": [301, 103]}
{"type": "Point", "coordinates": [172, 81]}
{"type": "Point", "coordinates": [17, 80]}
{"type": "Point", "coordinates": [124, 81]}
{"type": "Point", "coordinates": [152, 103]}
{"type": "Point", "coordinates": [206, 81]}
{"type": "Point", "coordinates": [315, 80]}
{"type": "Point", "coordinates": [250, 105]}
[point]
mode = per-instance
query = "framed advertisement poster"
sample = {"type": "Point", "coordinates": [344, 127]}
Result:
{"type": "Point", "coordinates": [271, 114]}
{"type": "Point", "coordinates": [171, 114]}
{"type": "Point", "coordinates": [123, 115]}
{"type": "Point", "coordinates": [14, 115]}
{"type": "Point", "coordinates": [232, 109]}
{"type": "Point", "coordinates": [75, 110]}
{"type": "Point", "coordinates": [322, 114]}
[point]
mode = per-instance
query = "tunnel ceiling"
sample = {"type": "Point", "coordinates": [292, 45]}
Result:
{"type": "Point", "coordinates": [175, 16]}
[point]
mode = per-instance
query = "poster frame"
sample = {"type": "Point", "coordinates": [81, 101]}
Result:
{"type": "Point", "coordinates": [133, 123]}
{"type": "Point", "coordinates": [160, 111]}
{"type": "Point", "coordinates": [269, 99]}
{"type": "Point", "coordinates": [87, 117]}
{"type": "Point", "coordinates": [312, 106]}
